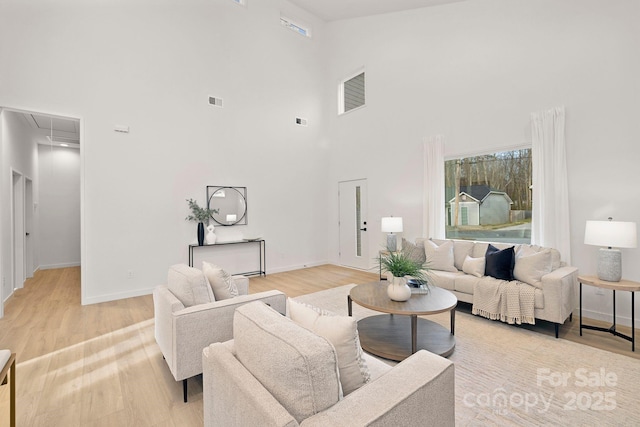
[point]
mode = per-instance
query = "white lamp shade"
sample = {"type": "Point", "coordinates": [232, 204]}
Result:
{"type": "Point", "coordinates": [613, 234]}
{"type": "Point", "coordinates": [392, 224]}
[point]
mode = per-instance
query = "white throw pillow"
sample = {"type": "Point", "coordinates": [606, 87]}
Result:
{"type": "Point", "coordinates": [532, 265]}
{"type": "Point", "coordinates": [221, 282]}
{"type": "Point", "coordinates": [342, 333]}
{"type": "Point", "coordinates": [189, 285]}
{"type": "Point", "coordinates": [461, 248]}
{"type": "Point", "coordinates": [474, 266]}
{"type": "Point", "coordinates": [440, 257]}
{"type": "Point", "coordinates": [298, 367]}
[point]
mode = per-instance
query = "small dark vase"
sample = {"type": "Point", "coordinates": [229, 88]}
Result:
{"type": "Point", "coordinates": [200, 234]}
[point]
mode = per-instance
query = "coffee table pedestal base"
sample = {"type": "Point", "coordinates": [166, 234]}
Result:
{"type": "Point", "coordinates": [389, 336]}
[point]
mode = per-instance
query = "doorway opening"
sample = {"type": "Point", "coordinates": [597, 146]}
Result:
{"type": "Point", "coordinates": [45, 214]}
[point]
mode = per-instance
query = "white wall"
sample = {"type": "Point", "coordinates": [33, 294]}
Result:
{"type": "Point", "coordinates": [151, 65]}
{"type": "Point", "coordinates": [19, 154]}
{"type": "Point", "coordinates": [471, 70]}
{"type": "Point", "coordinates": [59, 207]}
{"type": "Point", "coordinates": [474, 71]}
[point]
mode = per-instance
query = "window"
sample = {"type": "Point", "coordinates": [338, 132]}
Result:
{"type": "Point", "coordinates": [358, 222]}
{"type": "Point", "coordinates": [351, 93]}
{"type": "Point", "coordinates": [286, 22]}
{"type": "Point", "coordinates": [489, 197]}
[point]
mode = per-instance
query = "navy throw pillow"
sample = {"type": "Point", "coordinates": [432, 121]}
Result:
{"type": "Point", "coordinates": [500, 263]}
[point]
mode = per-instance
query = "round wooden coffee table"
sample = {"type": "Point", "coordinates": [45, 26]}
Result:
{"type": "Point", "coordinates": [400, 333]}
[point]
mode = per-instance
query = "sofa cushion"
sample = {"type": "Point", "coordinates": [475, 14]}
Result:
{"type": "Point", "coordinates": [415, 252]}
{"type": "Point", "coordinates": [221, 282]}
{"type": "Point", "coordinates": [465, 283]}
{"type": "Point", "coordinates": [439, 257]}
{"type": "Point", "coordinates": [189, 285]}
{"type": "Point", "coordinates": [499, 263]}
{"type": "Point", "coordinates": [480, 248]}
{"type": "Point", "coordinates": [342, 332]}
{"type": "Point", "coordinates": [474, 266]}
{"type": "Point", "coordinates": [538, 299]}
{"type": "Point", "coordinates": [443, 279]}
{"type": "Point", "coordinates": [532, 265]}
{"type": "Point", "coordinates": [461, 248]}
{"type": "Point", "coordinates": [298, 367]}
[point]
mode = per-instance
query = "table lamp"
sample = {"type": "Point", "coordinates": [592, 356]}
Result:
{"type": "Point", "coordinates": [612, 234]}
{"type": "Point", "coordinates": [391, 225]}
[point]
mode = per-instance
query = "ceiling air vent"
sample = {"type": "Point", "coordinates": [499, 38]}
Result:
{"type": "Point", "coordinates": [215, 101]}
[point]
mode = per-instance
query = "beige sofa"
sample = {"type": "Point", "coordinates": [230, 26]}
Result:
{"type": "Point", "coordinates": [183, 328]}
{"type": "Point", "coordinates": [277, 373]}
{"type": "Point", "coordinates": [553, 282]}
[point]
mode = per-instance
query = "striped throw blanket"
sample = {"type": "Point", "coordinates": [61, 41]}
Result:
{"type": "Point", "coordinates": [507, 301]}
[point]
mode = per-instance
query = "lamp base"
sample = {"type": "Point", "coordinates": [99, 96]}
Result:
{"type": "Point", "coordinates": [609, 265]}
{"type": "Point", "coordinates": [392, 242]}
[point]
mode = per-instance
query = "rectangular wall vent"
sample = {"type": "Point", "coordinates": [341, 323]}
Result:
{"type": "Point", "coordinates": [215, 101]}
{"type": "Point", "coordinates": [288, 23]}
{"type": "Point", "coordinates": [300, 121]}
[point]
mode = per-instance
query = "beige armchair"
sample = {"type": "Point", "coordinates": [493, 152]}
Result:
{"type": "Point", "coordinates": [182, 332]}
{"type": "Point", "coordinates": [277, 373]}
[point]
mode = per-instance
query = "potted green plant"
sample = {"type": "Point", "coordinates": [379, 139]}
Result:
{"type": "Point", "coordinates": [400, 265]}
{"type": "Point", "coordinates": [199, 215]}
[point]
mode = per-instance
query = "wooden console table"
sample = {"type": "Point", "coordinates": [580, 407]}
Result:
{"type": "Point", "coordinates": [262, 255]}
{"type": "Point", "coordinates": [622, 285]}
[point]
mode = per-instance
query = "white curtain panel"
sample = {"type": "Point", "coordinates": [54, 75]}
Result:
{"type": "Point", "coordinates": [433, 214]}
{"type": "Point", "coordinates": [550, 217]}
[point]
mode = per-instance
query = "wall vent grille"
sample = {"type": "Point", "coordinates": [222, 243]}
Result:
{"type": "Point", "coordinates": [215, 101]}
{"type": "Point", "coordinates": [300, 29]}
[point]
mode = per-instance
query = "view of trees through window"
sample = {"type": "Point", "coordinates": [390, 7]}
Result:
{"type": "Point", "coordinates": [488, 197]}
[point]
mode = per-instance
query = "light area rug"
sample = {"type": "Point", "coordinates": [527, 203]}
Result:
{"type": "Point", "coordinates": [507, 375]}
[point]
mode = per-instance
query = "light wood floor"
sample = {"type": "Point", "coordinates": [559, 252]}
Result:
{"type": "Point", "coordinates": [99, 365]}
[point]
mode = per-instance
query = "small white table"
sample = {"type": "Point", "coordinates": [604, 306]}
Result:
{"type": "Point", "coordinates": [622, 285]}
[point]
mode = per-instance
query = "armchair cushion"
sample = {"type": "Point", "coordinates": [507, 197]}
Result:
{"type": "Point", "coordinates": [189, 285]}
{"type": "Point", "coordinates": [222, 284]}
{"type": "Point", "coordinates": [298, 367]}
{"type": "Point", "coordinates": [342, 332]}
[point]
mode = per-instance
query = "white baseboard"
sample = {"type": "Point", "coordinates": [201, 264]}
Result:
{"type": "Point", "coordinates": [7, 298]}
{"type": "Point", "coordinates": [374, 269]}
{"type": "Point", "coordinates": [116, 296]}
{"type": "Point", "coordinates": [61, 265]}
{"type": "Point", "coordinates": [296, 267]}
{"type": "Point", "coordinates": [604, 317]}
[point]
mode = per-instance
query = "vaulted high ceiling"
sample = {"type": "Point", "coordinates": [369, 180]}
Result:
{"type": "Point", "coordinates": [333, 10]}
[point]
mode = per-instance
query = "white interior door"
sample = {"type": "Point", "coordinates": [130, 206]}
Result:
{"type": "Point", "coordinates": [354, 241]}
{"type": "Point", "coordinates": [18, 233]}
{"type": "Point", "coordinates": [29, 264]}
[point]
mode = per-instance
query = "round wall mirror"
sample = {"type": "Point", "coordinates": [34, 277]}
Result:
{"type": "Point", "coordinates": [231, 204]}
